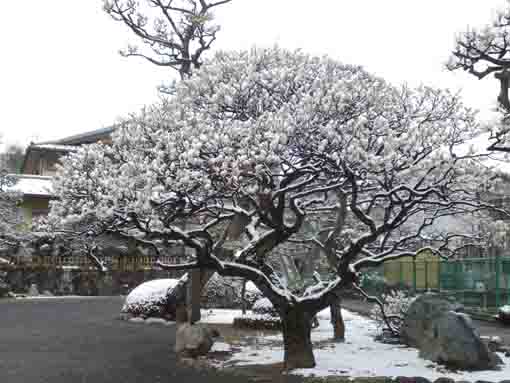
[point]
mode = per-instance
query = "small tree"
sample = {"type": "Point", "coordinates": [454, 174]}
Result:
{"type": "Point", "coordinates": [271, 138]}
{"type": "Point", "coordinates": [10, 215]}
{"type": "Point", "coordinates": [174, 33]}
{"type": "Point", "coordinates": [485, 51]}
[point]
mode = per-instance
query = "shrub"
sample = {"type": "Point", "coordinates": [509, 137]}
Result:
{"type": "Point", "coordinates": [265, 307]}
{"type": "Point", "coordinates": [395, 304]}
{"type": "Point", "coordinates": [258, 322]}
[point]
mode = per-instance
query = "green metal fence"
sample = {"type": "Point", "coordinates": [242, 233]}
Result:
{"type": "Point", "coordinates": [481, 282]}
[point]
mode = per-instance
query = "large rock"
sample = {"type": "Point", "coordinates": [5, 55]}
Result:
{"type": "Point", "coordinates": [192, 340]}
{"type": "Point", "coordinates": [443, 335]}
{"type": "Point", "coordinates": [418, 320]}
{"type": "Point", "coordinates": [456, 343]}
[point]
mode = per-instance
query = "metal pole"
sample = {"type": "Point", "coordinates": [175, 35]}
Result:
{"type": "Point", "coordinates": [414, 275]}
{"type": "Point", "coordinates": [498, 268]}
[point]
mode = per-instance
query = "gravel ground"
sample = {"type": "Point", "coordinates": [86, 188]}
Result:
{"type": "Point", "coordinates": [73, 340]}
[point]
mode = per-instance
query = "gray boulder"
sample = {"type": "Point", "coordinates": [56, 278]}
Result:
{"type": "Point", "coordinates": [420, 316]}
{"type": "Point", "coordinates": [33, 291]}
{"type": "Point", "coordinates": [192, 340]}
{"type": "Point", "coordinates": [446, 336]}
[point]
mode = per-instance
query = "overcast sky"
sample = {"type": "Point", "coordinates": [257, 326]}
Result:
{"type": "Point", "coordinates": [60, 73]}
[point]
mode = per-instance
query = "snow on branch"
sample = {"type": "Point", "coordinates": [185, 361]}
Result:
{"type": "Point", "coordinates": [291, 150]}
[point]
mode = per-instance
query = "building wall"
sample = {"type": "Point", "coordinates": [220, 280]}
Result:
{"type": "Point", "coordinates": [41, 163]}
{"type": "Point", "coordinates": [34, 206]}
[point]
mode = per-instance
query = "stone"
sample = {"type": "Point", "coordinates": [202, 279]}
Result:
{"type": "Point", "coordinates": [33, 291]}
{"type": "Point", "coordinates": [455, 343]}
{"type": "Point", "coordinates": [193, 340]}
{"type": "Point", "coordinates": [495, 343]}
{"type": "Point", "coordinates": [446, 336]}
{"type": "Point", "coordinates": [420, 315]}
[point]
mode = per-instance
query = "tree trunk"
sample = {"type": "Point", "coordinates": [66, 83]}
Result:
{"type": "Point", "coordinates": [337, 320]}
{"type": "Point", "coordinates": [297, 325]}
{"type": "Point", "coordinates": [181, 293]}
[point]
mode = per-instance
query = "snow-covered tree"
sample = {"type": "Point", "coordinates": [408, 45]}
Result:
{"type": "Point", "coordinates": [264, 140]}
{"type": "Point", "coordinates": [10, 217]}
{"type": "Point", "coordinates": [486, 51]}
{"type": "Point", "coordinates": [174, 33]}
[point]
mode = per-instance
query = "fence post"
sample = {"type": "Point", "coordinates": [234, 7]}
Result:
{"type": "Point", "coordinates": [401, 272]}
{"type": "Point", "coordinates": [498, 268]}
{"type": "Point", "coordinates": [426, 276]}
{"type": "Point", "coordinates": [439, 261]}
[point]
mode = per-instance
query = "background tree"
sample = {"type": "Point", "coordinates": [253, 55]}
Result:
{"type": "Point", "coordinates": [174, 33]}
{"type": "Point", "coordinates": [483, 52]}
{"type": "Point", "coordinates": [10, 217]}
{"type": "Point", "coordinates": [11, 159]}
{"type": "Point", "coordinates": [277, 137]}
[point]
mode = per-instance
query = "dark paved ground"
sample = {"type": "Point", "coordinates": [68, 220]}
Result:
{"type": "Point", "coordinates": [81, 341]}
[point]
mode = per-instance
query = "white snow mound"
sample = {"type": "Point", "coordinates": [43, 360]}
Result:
{"type": "Point", "coordinates": [148, 293]}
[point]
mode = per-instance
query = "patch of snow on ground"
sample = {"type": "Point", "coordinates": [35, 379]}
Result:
{"type": "Point", "coordinates": [360, 355]}
{"type": "Point", "coordinates": [150, 291]}
{"type": "Point", "coordinates": [221, 347]}
{"type": "Point", "coordinates": [220, 316]}
{"type": "Point", "coordinates": [158, 321]}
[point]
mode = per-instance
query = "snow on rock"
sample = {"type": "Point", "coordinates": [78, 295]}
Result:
{"type": "Point", "coordinates": [350, 358]}
{"type": "Point", "coordinates": [147, 299]}
{"type": "Point", "coordinates": [264, 307]}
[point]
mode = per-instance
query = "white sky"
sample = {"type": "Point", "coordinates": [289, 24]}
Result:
{"type": "Point", "coordinates": [60, 73]}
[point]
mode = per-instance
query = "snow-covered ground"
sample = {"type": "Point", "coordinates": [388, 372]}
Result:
{"type": "Point", "coordinates": [359, 356]}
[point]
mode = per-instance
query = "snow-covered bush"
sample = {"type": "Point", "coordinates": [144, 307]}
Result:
{"type": "Point", "coordinates": [396, 304]}
{"type": "Point", "coordinates": [263, 317]}
{"type": "Point", "coordinates": [264, 307]}
{"type": "Point", "coordinates": [149, 299]}
{"type": "Point", "coordinates": [221, 293]}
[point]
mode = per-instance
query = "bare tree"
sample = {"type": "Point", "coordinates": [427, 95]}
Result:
{"type": "Point", "coordinates": [485, 51]}
{"type": "Point", "coordinates": [174, 33]}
